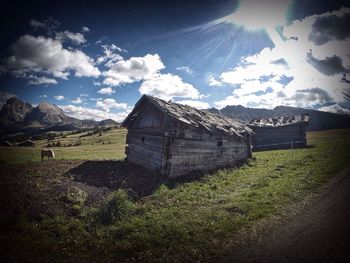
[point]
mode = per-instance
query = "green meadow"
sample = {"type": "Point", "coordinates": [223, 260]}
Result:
{"type": "Point", "coordinates": [109, 145]}
{"type": "Point", "coordinates": [180, 221]}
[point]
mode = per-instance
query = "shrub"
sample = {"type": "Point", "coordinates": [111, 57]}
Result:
{"type": "Point", "coordinates": [51, 136]}
{"type": "Point", "coordinates": [76, 195]}
{"type": "Point", "coordinates": [116, 206]}
{"type": "Point", "coordinates": [77, 143]}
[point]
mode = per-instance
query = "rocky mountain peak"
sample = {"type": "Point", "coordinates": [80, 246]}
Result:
{"type": "Point", "coordinates": [49, 108]}
{"type": "Point", "coordinates": [14, 111]}
{"type": "Point", "coordinates": [16, 116]}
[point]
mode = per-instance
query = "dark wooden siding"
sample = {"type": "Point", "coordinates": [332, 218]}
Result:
{"type": "Point", "coordinates": [153, 117]}
{"type": "Point", "coordinates": [186, 155]}
{"type": "Point", "coordinates": [145, 150]}
{"type": "Point", "coordinates": [281, 137]}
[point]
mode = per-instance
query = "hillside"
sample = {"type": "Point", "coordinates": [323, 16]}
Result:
{"type": "Point", "coordinates": [19, 116]}
{"type": "Point", "coordinates": [319, 120]}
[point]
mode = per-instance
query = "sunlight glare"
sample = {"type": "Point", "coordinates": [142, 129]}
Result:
{"type": "Point", "coordinates": [258, 14]}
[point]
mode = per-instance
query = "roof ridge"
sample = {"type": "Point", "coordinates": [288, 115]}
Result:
{"type": "Point", "coordinates": [195, 117]}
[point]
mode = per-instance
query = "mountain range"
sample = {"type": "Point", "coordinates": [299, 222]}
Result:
{"type": "Point", "coordinates": [19, 116]}
{"type": "Point", "coordinates": [319, 120]}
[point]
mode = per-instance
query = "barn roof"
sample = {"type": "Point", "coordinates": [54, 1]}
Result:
{"type": "Point", "coordinates": [192, 117]}
{"type": "Point", "coordinates": [26, 143]}
{"type": "Point", "coordinates": [280, 121]}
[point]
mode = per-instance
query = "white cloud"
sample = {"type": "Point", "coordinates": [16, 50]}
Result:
{"type": "Point", "coordinates": [48, 24]}
{"type": "Point", "coordinates": [96, 114]}
{"type": "Point", "coordinates": [317, 72]}
{"type": "Point", "coordinates": [168, 86]}
{"type": "Point", "coordinates": [110, 56]}
{"type": "Point", "coordinates": [195, 103]}
{"type": "Point", "coordinates": [213, 82]}
{"type": "Point", "coordinates": [106, 91]}
{"type": "Point", "coordinates": [186, 69]}
{"type": "Point", "coordinates": [84, 95]}
{"type": "Point", "coordinates": [59, 97]}
{"type": "Point", "coordinates": [46, 55]}
{"type": "Point", "coordinates": [43, 96]}
{"type": "Point", "coordinates": [108, 104]}
{"type": "Point", "coordinates": [255, 86]}
{"type": "Point", "coordinates": [336, 108]}
{"type": "Point", "coordinates": [85, 29]}
{"type": "Point", "coordinates": [252, 101]}
{"type": "Point", "coordinates": [35, 80]}
{"type": "Point", "coordinates": [77, 100]}
{"type": "Point", "coordinates": [76, 38]}
{"type": "Point", "coordinates": [37, 24]}
{"type": "Point", "coordinates": [133, 69]}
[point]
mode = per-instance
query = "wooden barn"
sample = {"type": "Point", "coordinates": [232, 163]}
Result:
{"type": "Point", "coordinates": [279, 133]}
{"type": "Point", "coordinates": [26, 143]}
{"type": "Point", "coordinates": [177, 139]}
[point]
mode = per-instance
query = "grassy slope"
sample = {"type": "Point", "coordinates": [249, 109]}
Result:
{"type": "Point", "coordinates": [109, 146]}
{"type": "Point", "coordinates": [193, 220]}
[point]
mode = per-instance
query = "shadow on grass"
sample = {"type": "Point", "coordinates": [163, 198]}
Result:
{"type": "Point", "coordinates": [124, 175]}
{"type": "Point", "coordinates": [281, 147]}
{"type": "Point", "coordinates": [116, 175]}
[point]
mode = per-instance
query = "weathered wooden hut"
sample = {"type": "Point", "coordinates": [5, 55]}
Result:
{"type": "Point", "coordinates": [177, 139]}
{"type": "Point", "coordinates": [26, 143]}
{"type": "Point", "coordinates": [279, 133]}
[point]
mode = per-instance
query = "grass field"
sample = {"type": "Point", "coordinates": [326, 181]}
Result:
{"type": "Point", "coordinates": [109, 146]}
{"type": "Point", "coordinates": [191, 221]}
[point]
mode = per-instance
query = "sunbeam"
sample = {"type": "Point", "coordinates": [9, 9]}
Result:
{"type": "Point", "coordinates": [255, 15]}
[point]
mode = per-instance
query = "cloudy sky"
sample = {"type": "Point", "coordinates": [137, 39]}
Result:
{"type": "Point", "coordinates": [95, 60]}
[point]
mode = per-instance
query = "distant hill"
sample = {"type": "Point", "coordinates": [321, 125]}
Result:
{"type": "Point", "coordinates": [319, 120]}
{"type": "Point", "coordinates": [108, 122]}
{"type": "Point", "coordinates": [19, 116]}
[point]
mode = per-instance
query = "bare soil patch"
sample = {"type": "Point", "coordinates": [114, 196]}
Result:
{"type": "Point", "coordinates": [115, 175]}
{"type": "Point", "coordinates": [41, 189]}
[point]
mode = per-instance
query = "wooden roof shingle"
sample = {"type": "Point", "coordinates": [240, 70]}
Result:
{"type": "Point", "coordinates": [280, 121]}
{"type": "Point", "coordinates": [190, 116]}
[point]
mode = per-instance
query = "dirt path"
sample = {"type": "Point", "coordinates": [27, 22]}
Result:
{"type": "Point", "coordinates": [319, 232]}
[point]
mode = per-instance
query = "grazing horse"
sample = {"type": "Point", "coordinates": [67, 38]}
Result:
{"type": "Point", "coordinates": [47, 152]}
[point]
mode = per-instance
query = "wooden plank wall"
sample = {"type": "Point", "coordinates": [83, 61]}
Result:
{"type": "Point", "coordinates": [186, 155]}
{"type": "Point", "coordinates": [145, 150]}
{"type": "Point", "coordinates": [157, 141]}
{"type": "Point", "coordinates": [153, 117]}
{"type": "Point", "coordinates": [279, 135]}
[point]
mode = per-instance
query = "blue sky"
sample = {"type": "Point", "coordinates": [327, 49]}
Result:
{"type": "Point", "coordinates": [95, 60]}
